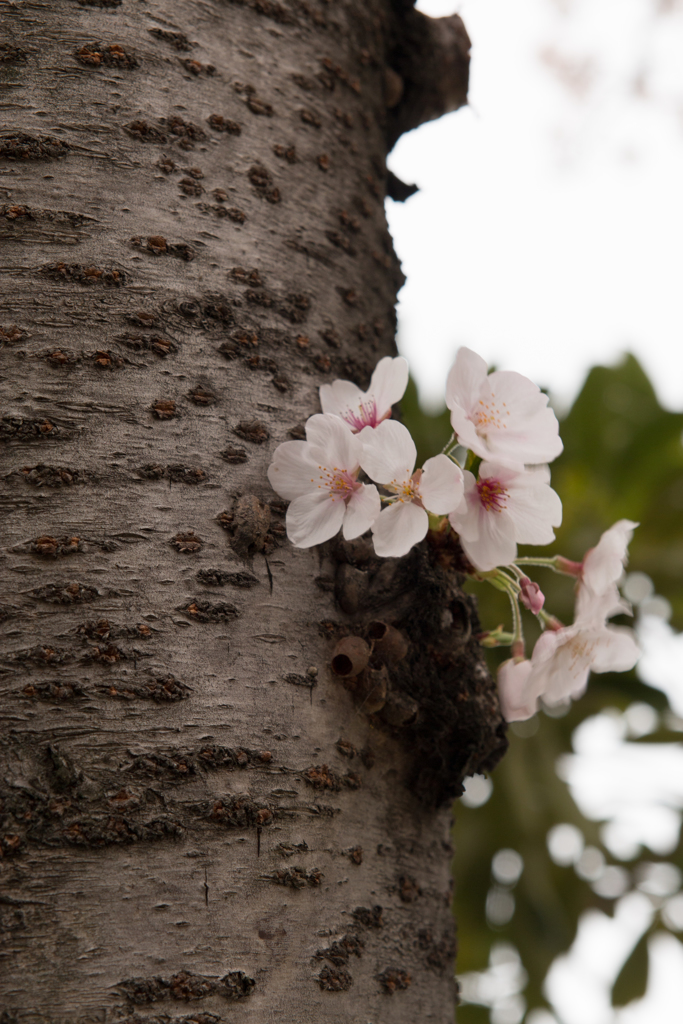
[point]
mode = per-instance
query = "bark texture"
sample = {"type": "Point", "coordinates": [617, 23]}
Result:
{"type": "Point", "coordinates": [200, 820]}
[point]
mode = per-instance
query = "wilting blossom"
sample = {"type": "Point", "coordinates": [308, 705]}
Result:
{"type": "Point", "coordinates": [389, 455]}
{"type": "Point", "coordinates": [563, 658]}
{"type": "Point", "coordinates": [507, 505]}
{"type": "Point", "coordinates": [360, 409]}
{"type": "Point", "coordinates": [319, 476]}
{"type": "Point", "coordinates": [603, 565]}
{"type": "Point", "coordinates": [500, 415]}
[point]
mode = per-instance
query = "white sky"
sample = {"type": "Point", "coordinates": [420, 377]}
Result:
{"type": "Point", "coordinates": [548, 236]}
{"type": "Point", "coordinates": [548, 232]}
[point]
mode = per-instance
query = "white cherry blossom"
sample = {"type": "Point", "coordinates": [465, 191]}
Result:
{"type": "Point", "coordinates": [360, 409]}
{"type": "Point", "coordinates": [388, 457]}
{"type": "Point", "coordinates": [319, 476]}
{"type": "Point", "coordinates": [506, 506]}
{"type": "Point", "coordinates": [501, 415]}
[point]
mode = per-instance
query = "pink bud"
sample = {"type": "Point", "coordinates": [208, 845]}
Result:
{"type": "Point", "coordinates": [531, 595]}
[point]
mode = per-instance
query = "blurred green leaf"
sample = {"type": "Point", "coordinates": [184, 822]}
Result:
{"type": "Point", "coordinates": [632, 981]}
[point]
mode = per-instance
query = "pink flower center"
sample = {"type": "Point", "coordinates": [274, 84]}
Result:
{"type": "Point", "coordinates": [364, 416]}
{"type": "Point", "coordinates": [340, 483]}
{"type": "Point", "coordinates": [492, 494]}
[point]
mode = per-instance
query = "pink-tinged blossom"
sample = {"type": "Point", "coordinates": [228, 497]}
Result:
{"type": "Point", "coordinates": [603, 565]}
{"type": "Point", "coordinates": [319, 477]}
{"type": "Point", "coordinates": [517, 700]}
{"type": "Point", "coordinates": [563, 658]}
{"type": "Point", "coordinates": [507, 505]}
{"type": "Point", "coordinates": [500, 415]}
{"type": "Point", "coordinates": [531, 595]}
{"type": "Point", "coordinates": [360, 409]}
{"type": "Point", "coordinates": [388, 458]}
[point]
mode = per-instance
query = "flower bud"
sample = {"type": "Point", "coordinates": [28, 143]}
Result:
{"type": "Point", "coordinates": [518, 697]}
{"type": "Point", "coordinates": [531, 595]}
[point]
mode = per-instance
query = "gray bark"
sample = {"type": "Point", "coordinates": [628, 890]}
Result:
{"type": "Point", "coordinates": [200, 820]}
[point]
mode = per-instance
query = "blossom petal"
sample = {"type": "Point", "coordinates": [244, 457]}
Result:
{"type": "Point", "coordinates": [617, 652]}
{"type": "Point", "coordinates": [494, 542]}
{"type": "Point", "coordinates": [561, 662]}
{"type": "Point", "coordinates": [292, 471]}
{"type": "Point", "coordinates": [465, 380]}
{"type": "Point", "coordinates": [531, 432]}
{"type": "Point", "coordinates": [535, 440]}
{"type": "Point", "coordinates": [362, 510]}
{"type": "Point", "coordinates": [518, 699]}
{"type": "Point", "coordinates": [465, 517]}
{"type": "Point", "coordinates": [604, 564]}
{"type": "Point", "coordinates": [466, 433]}
{"type": "Point", "coordinates": [593, 609]}
{"type": "Point", "coordinates": [388, 453]}
{"type": "Point", "coordinates": [442, 485]}
{"type": "Point", "coordinates": [331, 443]}
{"type": "Point", "coordinates": [388, 384]}
{"type": "Point", "coordinates": [399, 527]}
{"type": "Point", "coordinates": [340, 397]}
{"type": "Point", "coordinates": [534, 507]}
{"type": "Point", "coordinates": [314, 518]}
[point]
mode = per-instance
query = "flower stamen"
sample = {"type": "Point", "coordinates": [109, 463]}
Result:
{"type": "Point", "coordinates": [340, 483]}
{"type": "Point", "coordinates": [365, 415]}
{"type": "Point", "coordinates": [492, 494]}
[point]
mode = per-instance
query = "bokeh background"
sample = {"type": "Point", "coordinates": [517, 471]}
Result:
{"type": "Point", "coordinates": [547, 234]}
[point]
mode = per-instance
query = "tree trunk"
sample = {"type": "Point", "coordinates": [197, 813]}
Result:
{"type": "Point", "coordinates": [200, 820]}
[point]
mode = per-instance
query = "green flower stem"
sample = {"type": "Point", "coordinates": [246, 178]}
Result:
{"type": "Point", "coordinates": [449, 444]}
{"type": "Point", "coordinates": [437, 523]}
{"type": "Point", "coordinates": [501, 581]}
{"type": "Point", "coordinates": [557, 563]}
{"type": "Point", "coordinates": [549, 621]}
{"type": "Point", "coordinates": [516, 619]}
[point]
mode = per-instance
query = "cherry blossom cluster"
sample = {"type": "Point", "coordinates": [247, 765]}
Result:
{"type": "Point", "coordinates": [491, 485]}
